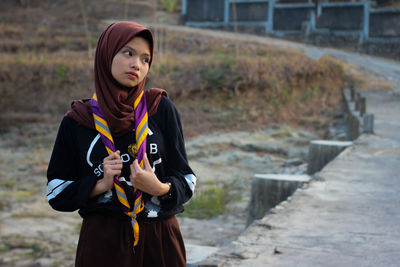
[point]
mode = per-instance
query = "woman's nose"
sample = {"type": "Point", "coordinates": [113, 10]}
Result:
{"type": "Point", "coordinates": [134, 63]}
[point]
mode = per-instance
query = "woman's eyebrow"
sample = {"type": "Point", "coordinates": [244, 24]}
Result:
{"type": "Point", "coordinates": [134, 50]}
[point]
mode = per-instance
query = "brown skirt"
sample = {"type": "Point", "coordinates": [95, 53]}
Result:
{"type": "Point", "coordinates": [108, 241]}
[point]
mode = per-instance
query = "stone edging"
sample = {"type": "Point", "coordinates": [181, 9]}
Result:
{"type": "Point", "coordinates": [358, 120]}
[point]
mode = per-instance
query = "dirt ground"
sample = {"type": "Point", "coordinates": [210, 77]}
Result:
{"type": "Point", "coordinates": [32, 234]}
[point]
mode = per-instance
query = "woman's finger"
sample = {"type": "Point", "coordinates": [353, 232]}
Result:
{"type": "Point", "coordinates": [146, 162]}
{"type": "Point", "coordinates": [115, 166]}
{"type": "Point", "coordinates": [115, 155]}
{"type": "Point", "coordinates": [135, 164]}
{"type": "Point", "coordinates": [114, 163]}
{"type": "Point", "coordinates": [134, 167]}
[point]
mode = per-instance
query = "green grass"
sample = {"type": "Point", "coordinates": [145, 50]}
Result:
{"type": "Point", "coordinates": [57, 262]}
{"type": "Point", "coordinates": [5, 248]}
{"type": "Point", "coordinates": [207, 203]}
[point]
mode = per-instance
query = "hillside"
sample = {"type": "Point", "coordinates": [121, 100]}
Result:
{"type": "Point", "coordinates": [47, 52]}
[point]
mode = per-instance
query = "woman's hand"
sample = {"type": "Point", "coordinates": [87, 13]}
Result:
{"type": "Point", "coordinates": [146, 180]}
{"type": "Point", "coordinates": [112, 166]}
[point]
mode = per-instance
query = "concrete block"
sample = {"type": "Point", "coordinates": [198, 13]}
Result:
{"type": "Point", "coordinates": [268, 190]}
{"type": "Point", "coordinates": [368, 123]}
{"type": "Point", "coordinates": [323, 151]}
{"type": "Point", "coordinates": [353, 123]}
{"type": "Point", "coordinates": [362, 105]}
{"type": "Point", "coordinates": [352, 93]}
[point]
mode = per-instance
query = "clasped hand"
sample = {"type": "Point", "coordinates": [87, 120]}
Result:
{"type": "Point", "coordinates": [143, 179]}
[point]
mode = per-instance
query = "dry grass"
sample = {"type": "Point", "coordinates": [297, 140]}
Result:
{"type": "Point", "coordinates": [225, 90]}
{"type": "Point", "coordinates": [216, 83]}
{"type": "Point", "coordinates": [362, 79]}
{"type": "Point", "coordinates": [43, 82]}
{"type": "Point", "coordinates": [222, 90]}
{"type": "Point", "coordinates": [218, 88]}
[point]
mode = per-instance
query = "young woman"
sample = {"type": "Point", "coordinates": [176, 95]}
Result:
{"type": "Point", "coordinates": [119, 158]}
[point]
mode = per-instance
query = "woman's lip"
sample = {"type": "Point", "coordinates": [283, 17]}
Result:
{"type": "Point", "coordinates": [132, 75]}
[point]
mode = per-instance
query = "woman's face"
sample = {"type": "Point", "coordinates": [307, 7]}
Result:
{"type": "Point", "coordinates": [131, 64]}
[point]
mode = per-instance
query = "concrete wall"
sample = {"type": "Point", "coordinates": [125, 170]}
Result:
{"type": "Point", "coordinates": [292, 17]}
{"type": "Point", "coordinates": [354, 19]}
{"type": "Point", "coordinates": [205, 10]}
{"type": "Point", "coordinates": [249, 11]}
{"type": "Point", "coordinates": [384, 23]}
{"type": "Point", "coordinates": [341, 17]}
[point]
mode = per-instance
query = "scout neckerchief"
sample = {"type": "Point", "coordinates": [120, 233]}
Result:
{"type": "Point", "coordinates": [141, 130]}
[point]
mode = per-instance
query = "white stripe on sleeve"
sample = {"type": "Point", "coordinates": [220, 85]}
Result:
{"type": "Point", "coordinates": [55, 187]}
{"type": "Point", "coordinates": [191, 180]}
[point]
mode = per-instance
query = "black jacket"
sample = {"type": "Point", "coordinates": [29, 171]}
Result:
{"type": "Point", "coordinates": [76, 165]}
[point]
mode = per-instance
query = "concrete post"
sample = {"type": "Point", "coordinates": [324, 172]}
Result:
{"type": "Point", "coordinates": [354, 126]}
{"type": "Point", "coordinates": [352, 93]}
{"type": "Point", "coordinates": [271, 5]}
{"type": "Point", "coordinates": [184, 7]}
{"type": "Point", "coordinates": [319, 10]}
{"type": "Point", "coordinates": [368, 123]}
{"type": "Point", "coordinates": [268, 190]}
{"type": "Point", "coordinates": [226, 12]}
{"type": "Point", "coordinates": [362, 105]}
{"type": "Point", "coordinates": [312, 21]}
{"type": "Point", "coordinates": [365, 36]}
{"type": "Point", "coordinates": [357, 101]}
{"type": "Point", "coordinates": [323, 151]}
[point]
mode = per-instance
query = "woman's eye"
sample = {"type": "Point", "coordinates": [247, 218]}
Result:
{"type": "Point", "coordinates": [146, 60]}
{"type": "Point", "coordinates": [128, 53]}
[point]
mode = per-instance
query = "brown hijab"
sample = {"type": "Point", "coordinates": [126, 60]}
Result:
{"type": "Point", "coordinates": [115, 100]}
